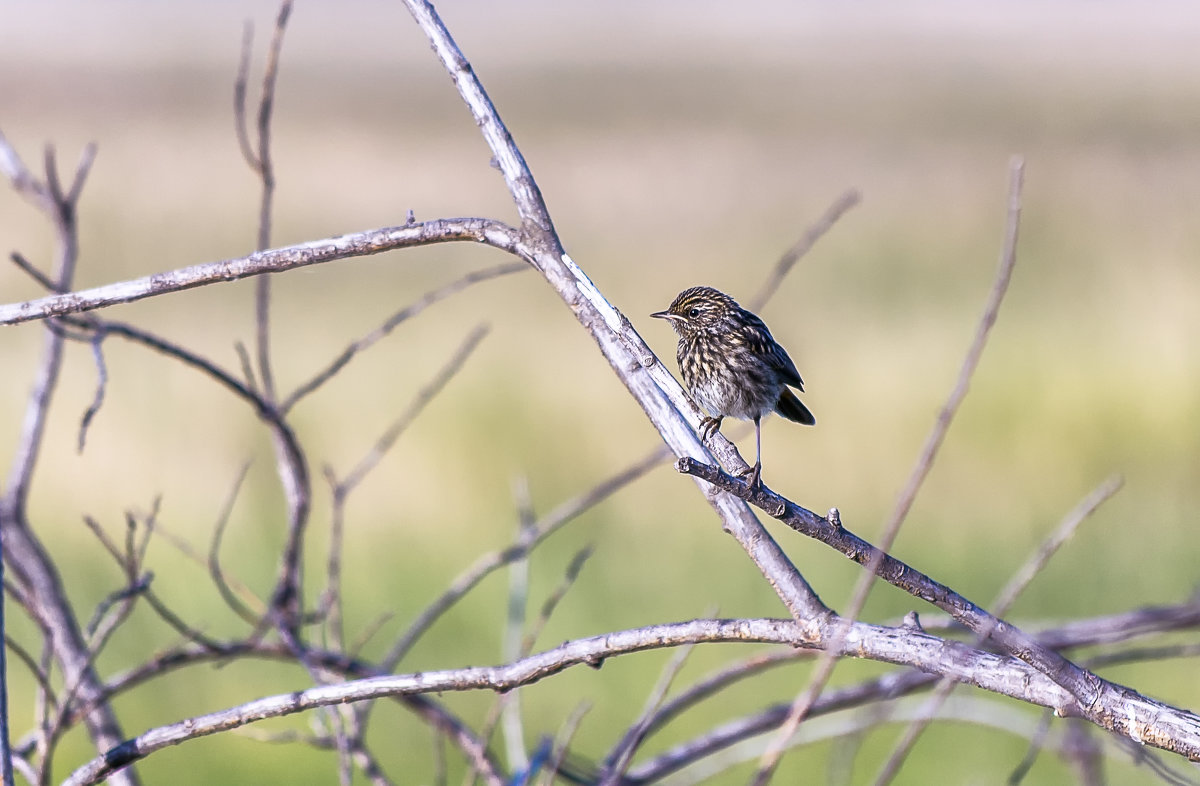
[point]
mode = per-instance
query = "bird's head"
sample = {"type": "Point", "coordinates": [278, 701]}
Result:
{"type": "Point", "coordinates": [697, 310]}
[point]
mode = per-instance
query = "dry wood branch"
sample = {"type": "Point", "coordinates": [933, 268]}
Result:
{"type": "Point", "coordinates": [23, 551]}
{"type": "Point", "coordinates": [646, 379]}
{"type": "Point", "coordinates": [1107, 704]}
{"type": "Point", "coordinates": [31, 270]}
{"type": "Point", "coordinates": [1079, 633]}
{"type": "Point", "coordinates": [1008, 596]}
{"type": "Point", "coordinates": [924, 463]}
{"type": "Point", "coordinates": [617, 762]}
{"type": "Point", "coordinates": [995, 673]}
{"type": "Point", "coordinates": [592, 650]}
{"type": "Point", "coordinates": [479, 230]}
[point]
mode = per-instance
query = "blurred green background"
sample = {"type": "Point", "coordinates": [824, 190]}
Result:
{"type": "Point", "coordinates": [676, 143]}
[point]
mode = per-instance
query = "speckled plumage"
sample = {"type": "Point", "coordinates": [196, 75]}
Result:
{"type": "Point", "coordinates": [731, 364]}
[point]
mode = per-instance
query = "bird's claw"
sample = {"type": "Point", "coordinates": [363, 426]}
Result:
{"type": "Point", "coordinates": [753, 476]}
{"type": "Point", "coordinates": [708, 427]}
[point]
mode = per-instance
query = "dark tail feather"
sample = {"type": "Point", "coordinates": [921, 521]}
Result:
{"type": "Point", "coordinates": [793, 409]}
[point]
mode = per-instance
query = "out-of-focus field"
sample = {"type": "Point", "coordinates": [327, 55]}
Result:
{"type": "Point", "coordinates": [676, 143]}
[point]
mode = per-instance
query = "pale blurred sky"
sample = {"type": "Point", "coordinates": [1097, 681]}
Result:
{"type": "Point", "coordinates": [126, 32]}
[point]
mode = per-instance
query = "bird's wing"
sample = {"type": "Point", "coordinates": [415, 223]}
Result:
{"type": "Point", "coordinates": [761, 342]}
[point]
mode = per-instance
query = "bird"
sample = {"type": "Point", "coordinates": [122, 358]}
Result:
{"type": "Point", "coordinates": [732, 365]}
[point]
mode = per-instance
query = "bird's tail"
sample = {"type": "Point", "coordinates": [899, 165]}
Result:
{"type": "Point", "coordinates": [793, 408]}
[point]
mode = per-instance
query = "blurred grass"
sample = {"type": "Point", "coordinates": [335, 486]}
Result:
{"type": "Point", "coordinates": [675, 145]}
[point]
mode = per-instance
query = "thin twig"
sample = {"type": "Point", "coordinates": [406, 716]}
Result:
{"type": "Point", "coordinates": [408, 312]}
{"type": "Point", "coordinates": [1004, 602]}
{"type": "Point", "coordinates": [101, 385]}
{"type": "Point", "coordinates": [485, 565]}
{"type": "Point", "coordinates": [32, 271]}
{"type": "Point", "coordinates": [802, 246]}
{"type": "Point", "coordinates": [266, 172]}
{"type": "Point", "coordinates": [511, 646]}
{"type": "Point", "coordinates": [240, 83]}
{"type": "Point", "coordinates": [214, 552]}
{"type": "Point", "coordinates": [479, 230]}
{"type": "Point", "coordinates": [187, 550]}
{"type": "Point", "coordinates": [570, 575]}
{"type": "Point", "coordinates": [105, 541]}
{"type": "Point", "coordinates": [617, 762]}
{"type": "Point", "coordinates": [562, 741]}
{"type": "Point", "coordinates": [866, 580]}
{"type": "Point", "coordinates": [418, 404]}
{"type": "Point", "coordinates": [331, 597]}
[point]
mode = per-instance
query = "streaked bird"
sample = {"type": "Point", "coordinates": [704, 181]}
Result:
{"type": "Point", "coordinates": [732, 365]}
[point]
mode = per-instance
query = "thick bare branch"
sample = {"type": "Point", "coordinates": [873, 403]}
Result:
{"type": "Point", "coordinates": [924, 463]}
{"type": "Point", "coordinates": [1016, 585]}
{"type": "Point", "coordinates": [1107, 704]}
{"type": "Point", "coordinates": [648, 381]}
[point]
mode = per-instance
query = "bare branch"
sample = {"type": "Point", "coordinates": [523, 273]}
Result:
{"type": "Point", "coordinates": [562, 742]}
{"type": "Point", "coordinates": [31, 270]}
{"type": "Point", "coordinates": [418, 404]}
{"type": "Point", "coordinates": [409, 311]}
{"type": "Point", "coordinates": [101, 384]}
{"type": "Point", "coordinates": [1107, 704]}
{"type": "Point", "coordinates": [23, 551]}
{"type": "Point", "coordinates": [488, 563]}
{"type": "Point", "coordinates": [479, 230]}
{"type": "Point", "coordinates": [266, 172]}
{"type": "Point", "coordinates": [239, 97]}
{"type": "Point", "coordinates": [648, 381]}
{"type": "Point", "coordinates": [1004, 602]}
{"type": "Point", "coordinates": [999, 674]}
{"type": "Point", "coordinates": [802, 246]}
{"type": "Point", "coordinates": [724, 678]}
{"type": "Point", "coordinates": [570, 575]}
{"type": "Point", "coordinates": [618, 760]}
{"type": "Point", "coordinates": [214, 552]}
{"type": "Point", "coordinates": [866, 580]}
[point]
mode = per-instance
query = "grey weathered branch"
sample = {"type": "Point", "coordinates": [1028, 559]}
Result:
{"type": "Point", "coordinates": [644, 376]}
{"type": "Point", "coordinates": [1107, 704]}
{"type": "Point", "coordinates": [1100, 630]}
{"type": "Point", "coordinates": [24, 552]}
{"type": "Point", "coordinates": [996, 673]}
{"type": "Point", "coordinates": [479, 230]}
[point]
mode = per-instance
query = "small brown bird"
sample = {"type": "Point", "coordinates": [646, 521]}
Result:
{"type": "Point", "coordinates": [732, 365]}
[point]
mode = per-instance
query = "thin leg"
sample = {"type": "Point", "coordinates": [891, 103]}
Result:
{"type": "Point", "coordinates": [756, 470]}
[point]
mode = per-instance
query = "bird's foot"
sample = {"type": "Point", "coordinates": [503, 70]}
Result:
{"type": "Point", "coordinates": [753, 475]}
{"type": "Point", "coordinates": [708, 427]}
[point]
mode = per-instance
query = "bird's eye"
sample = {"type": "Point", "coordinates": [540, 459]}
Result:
{"type": "Point", "coordinates": [693, 312]}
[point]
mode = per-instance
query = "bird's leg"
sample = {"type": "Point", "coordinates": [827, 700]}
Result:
{"type": "Point", "coordinates": [754, 474]}
{"type": "Point", "coordinates": [708, 427]}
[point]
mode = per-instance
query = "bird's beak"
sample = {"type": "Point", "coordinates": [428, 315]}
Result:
{"type": "Point", "coordinates": [664, 315]}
